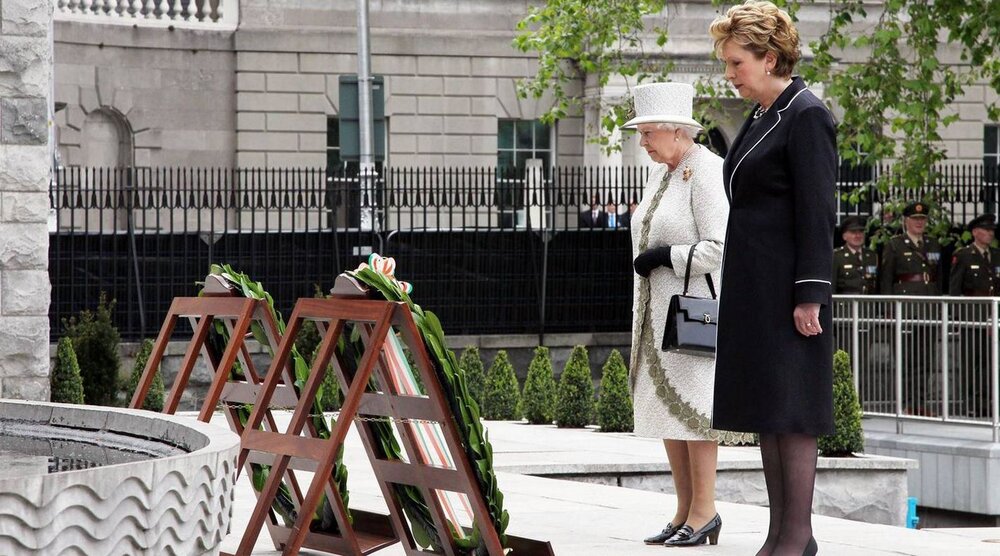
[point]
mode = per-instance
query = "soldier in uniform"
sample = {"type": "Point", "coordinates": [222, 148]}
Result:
{"type": "Point", "coordinates": [911, 261]}
{"type": "Point", "coordinates": [911, 266]}
{"type": "Point", "coordinates": [855, 268]}
{"type": "Point", "coordinates": [975, 268]}
{"type": "Point", "coordinates": [855, 272]}
{"type": "Point", "coordinates": [975, 272]}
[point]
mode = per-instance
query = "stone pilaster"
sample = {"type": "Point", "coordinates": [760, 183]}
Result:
{"type": "Point", "coordinates": [25, 91]}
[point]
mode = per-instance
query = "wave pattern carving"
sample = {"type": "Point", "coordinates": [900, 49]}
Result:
{"type": "Point", "coordinates": [179, 505]}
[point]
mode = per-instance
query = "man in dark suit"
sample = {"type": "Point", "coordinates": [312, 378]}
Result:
{"type": "Point", "coordinates": [612, 220]}
{"type": "Point", "coordinates": [855, 268]}
{"type": "Point", "coordinates": [627, 217]}
{"type": "Point", "coordinates": [975, 272]}
{"type": "Point", "coordinates": [594, 217]}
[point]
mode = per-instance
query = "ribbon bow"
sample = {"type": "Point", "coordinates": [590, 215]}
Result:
{"type": "Point", "coordinates": [386, 266]}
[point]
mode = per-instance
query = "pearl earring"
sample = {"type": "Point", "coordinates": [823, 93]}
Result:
{"type": "Point", "coordinates": [676, 139]}
{"type": "Point", "coordinates": [769, 72]}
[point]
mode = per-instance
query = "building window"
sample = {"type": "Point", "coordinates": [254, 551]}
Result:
{"type": "Point", "coordinates": [855, 176]}
{"type": "Point", "coordinates": [991, 145]}
{"type": "Point", "coordinates": [333, 161]}
{"type": "Point", "coordinates": [991, 165]}
{"type": "Point", "coordinates": [521, 140]}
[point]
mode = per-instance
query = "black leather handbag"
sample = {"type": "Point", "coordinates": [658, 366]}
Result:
{"type": "Point", "coordinates": [692, 322]}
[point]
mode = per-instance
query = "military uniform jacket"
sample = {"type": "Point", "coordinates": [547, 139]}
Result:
{"type": "Point", "coordinates": [779, 175]}
{"type": "Point", "coordinates": [972, 274]}
{"type": "Point", "coordinates": [907, 270]}
{"type": "Point", "coordinates": [855, 273]}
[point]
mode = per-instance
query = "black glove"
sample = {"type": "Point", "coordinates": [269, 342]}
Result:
{"type": "Point", "coordinates": [651, 259]}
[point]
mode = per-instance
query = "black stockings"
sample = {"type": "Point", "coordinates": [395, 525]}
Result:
{"type": "Point", "coordinates": [790, 474]}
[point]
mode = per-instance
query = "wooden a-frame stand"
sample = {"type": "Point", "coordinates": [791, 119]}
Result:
{"type": "Point", "coordinates": [218, 304]}
{"type": "Point", "coordinates": [377, 319]}
{"type": "Point", "coordinates": [262, 442]}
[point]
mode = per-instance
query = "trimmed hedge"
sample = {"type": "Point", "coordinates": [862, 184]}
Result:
{"type": "Point", "coordinates": [575, 397]}
{"type": "Point", "coordinates": [540, 389]}
{"type": "Point", "coordinates": [848, 437]}
{"type": "Point", "coordinates": [65, 381]}
{"type": "Point", "coordinates": [614, 404]}
{"type": "Point", "coordinates": [502, 399]}
{"type": "Point", "coordinates": [95, 341]}
{"type": "Point", "coordinates": [154, 398]}
{"type": "Point", "coordinates": [475, 374]}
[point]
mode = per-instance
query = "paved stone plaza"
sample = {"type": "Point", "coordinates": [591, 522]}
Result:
{"type": "Point", "coordinates": [582, 519]}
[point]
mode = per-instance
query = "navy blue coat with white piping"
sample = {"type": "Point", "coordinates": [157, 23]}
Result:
{"type": "Point", "coordinates": [779, 177]}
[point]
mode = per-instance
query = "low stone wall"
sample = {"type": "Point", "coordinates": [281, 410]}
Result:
{"type": "Point", "coordinates": [867, 488]}
{"type": "Point", "coordinates": [180, 504]}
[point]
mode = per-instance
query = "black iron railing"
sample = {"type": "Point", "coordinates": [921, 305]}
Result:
{"type": "Point", "coordinates": [489, 251]}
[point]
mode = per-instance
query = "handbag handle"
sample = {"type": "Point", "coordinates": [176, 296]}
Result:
{"type": "Point", "coordinates": [687, 275]}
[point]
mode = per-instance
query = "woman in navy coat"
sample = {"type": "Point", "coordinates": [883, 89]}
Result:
{"type": "Point", "coordinates": [774, 371]}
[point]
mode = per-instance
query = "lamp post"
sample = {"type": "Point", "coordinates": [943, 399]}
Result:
{"type": "Point", "coordinates": [367, 174]}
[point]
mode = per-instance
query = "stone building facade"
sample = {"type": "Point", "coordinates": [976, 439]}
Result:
{"type": "Point", "coordinates": [135, 89]}
{"type": "Point", "coordinates": [25, 86]}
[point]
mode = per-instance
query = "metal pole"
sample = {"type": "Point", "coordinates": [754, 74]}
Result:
{"type": "Point", "coordinates": [995, 369]}
{"type": "Point", "coordinates": [366, 150]}
{"type": "Point", "coordinates": [899, 365]}
{"type": "Point", "coordinates": [945, 324]}
{"type": "Point", "coordinates": [855, 343]}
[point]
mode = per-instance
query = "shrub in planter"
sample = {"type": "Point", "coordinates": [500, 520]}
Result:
{"type": "Point", "coordinates": [95, 341]}
{"type": "Point", "coordinates": [502, 398]}
{"type": "Point", "coordinates": [575, 396]}
{"type": "Point", "coordinates": [154, 398]}
{"type": "Point", "coordinates": [848, 436]}
{"type": "Point", "coordinates": [614, 404]}
{"type": "Point", "coordinates": [540, 389]}
{"type": "Point", "coordinates": [475, 375]}
{"type": "Point", "coordinates": [65, 381]}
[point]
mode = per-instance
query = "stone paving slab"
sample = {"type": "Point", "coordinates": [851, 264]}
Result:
{"type": "Point", "coordinates": [583, 519]}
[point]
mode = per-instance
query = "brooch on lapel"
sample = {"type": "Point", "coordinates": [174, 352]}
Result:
{"type": "Point", "coordinates": [688, 172]}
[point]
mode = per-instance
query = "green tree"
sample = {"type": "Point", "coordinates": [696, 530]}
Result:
{"type": "Point", "coordinates": [475, 375]}
{"type": "Point", "coordinates": [502, 398]}
{"type": "Point", "coordinates": [65, 381]}
{"type": "Point", "coordinates": [888, 66]}
{"type": "Point", "coordinates": [614, 404]}
{"type": "Point", "coordinates": [95, 341]}
{"type": "Point", "coordinates": [892, 74]}
{"type": "Point", "coordinates": [575, 397]}
{"type": "Point", "coordinates": [154, 398]}
{"type": "Point", "coordinates": [540, 389]}
{"type": "Point", "coordinates": [848, 437]}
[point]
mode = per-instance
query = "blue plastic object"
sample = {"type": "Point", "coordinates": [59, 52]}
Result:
{"type": "Point", "coordinates": [911, 513]}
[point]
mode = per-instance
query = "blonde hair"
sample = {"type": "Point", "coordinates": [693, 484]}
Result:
{"type": "Point", "coordinates": [759, 27]}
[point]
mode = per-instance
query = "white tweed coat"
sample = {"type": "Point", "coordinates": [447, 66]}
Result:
{"type": "Point", "coordinates": [672, 392]}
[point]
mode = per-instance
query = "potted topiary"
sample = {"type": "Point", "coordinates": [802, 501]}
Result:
{"type": "Point", "coordinates": [65, 381]}
{"type": "Point", "coordinates": [575, 397]}
{"type": "Point", "coordinates": [614, 404]}
{"type": "Point", "coordinates": [475, 375]}
{"type": "Point", "coordinates": [848, 437]}
{"type": "Point", "coordinates": [154, 398]}
{"type": "Point", "coordinates": [95, 341]}
{"type": "Point", "coordinates": [502, 398]}
{"type": "Point", "coordinates": [540, 389]}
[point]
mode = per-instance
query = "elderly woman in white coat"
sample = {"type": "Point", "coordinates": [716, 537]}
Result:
{"type": "Point", "coordinates": [683, 207]}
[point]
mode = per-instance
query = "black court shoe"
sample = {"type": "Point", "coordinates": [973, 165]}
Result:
{"type": "Point", "coordinates": [663, 535]}
{"type": "Point", "coordinates": [686, 536]}
{"type": "Point", "coordinates": [811, 548]}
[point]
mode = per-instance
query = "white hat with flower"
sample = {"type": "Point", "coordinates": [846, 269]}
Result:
{"type": "Point", "coordinates": [668, 103]}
